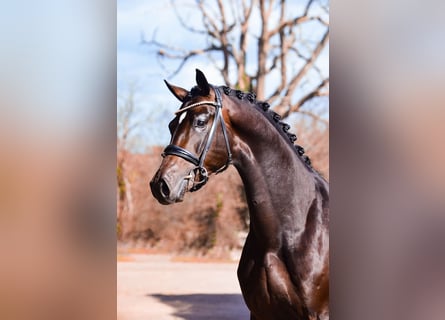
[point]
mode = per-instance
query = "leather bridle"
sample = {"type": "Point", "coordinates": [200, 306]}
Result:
{"type": "Point", "coordinates": [199, 169]}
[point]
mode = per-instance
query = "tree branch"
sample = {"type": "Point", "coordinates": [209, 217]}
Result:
{"type": "Point", "coordinates": [207, 20]}
{"type": "Point", "coordinates": [241, 57]}
{"type": "Point", "coordinates": [293, 22]}
{"type": "Point", "coordinates": [228, 31]}
{"type": "Point", "coordinates": [284, 49]}
{"type": "Point", "coordinates": [315, 117]}
{"type": "Point", "coordinates": [224, 41]}
{"type": "Point", "coordinates": [186, 57]}
{"type": "Point", "coordinates": [183, 23]}
{"type": "Point", "coordinates": [285, 102]}
{"type": "Point", "coordinates": [317, 92]}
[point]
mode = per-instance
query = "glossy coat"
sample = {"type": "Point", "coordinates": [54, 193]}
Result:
{"type": "Point", "coordinates": [284, 267]}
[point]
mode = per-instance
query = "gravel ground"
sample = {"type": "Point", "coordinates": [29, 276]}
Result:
{"type": "Point", "coordinates": [154, 287]}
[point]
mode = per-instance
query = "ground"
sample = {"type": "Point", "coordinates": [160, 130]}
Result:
{"type": "Point", "coordinates": [165, 288]}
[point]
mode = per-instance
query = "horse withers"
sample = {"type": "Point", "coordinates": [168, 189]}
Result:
{"type": "Point", "coordinates": [284, 267]}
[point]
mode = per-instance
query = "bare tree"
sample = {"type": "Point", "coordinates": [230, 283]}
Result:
{"type": "Point", "coordinates": [283, 44]}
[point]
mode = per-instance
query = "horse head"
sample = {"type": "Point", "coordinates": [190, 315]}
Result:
{"type": "Point", "coordinates": [199, 145]}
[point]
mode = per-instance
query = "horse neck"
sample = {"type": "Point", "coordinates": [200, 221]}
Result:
{"type": "Point", "coordinates": [280, 189]}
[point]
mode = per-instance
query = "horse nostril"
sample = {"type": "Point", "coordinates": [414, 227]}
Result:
{"type": "Point", "coordinates": [165, 191]}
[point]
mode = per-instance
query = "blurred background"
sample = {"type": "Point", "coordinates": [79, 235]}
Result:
{"type": "Point", "coordinates": [58, 190]}
{"type": "Point", "coordinates": [277, 49]}
{"type": "Point", "coordinates": [57, 160]}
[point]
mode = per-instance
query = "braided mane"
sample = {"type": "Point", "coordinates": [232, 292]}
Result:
{"type": "Point", "coordinates": [273, 117]}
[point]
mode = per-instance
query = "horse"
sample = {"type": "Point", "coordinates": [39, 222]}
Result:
{"type": "Point", "coordinates": [283, 271]}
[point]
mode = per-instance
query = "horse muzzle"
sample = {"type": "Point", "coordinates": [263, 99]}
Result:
{"type": "Point", "coordinates": [167, 191]}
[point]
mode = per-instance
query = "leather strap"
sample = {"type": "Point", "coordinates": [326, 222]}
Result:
{"type": "Point", "coordinates": [173, 150]}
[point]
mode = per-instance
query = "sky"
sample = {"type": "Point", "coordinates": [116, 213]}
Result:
{"type": "Point", "coordinates": [137, 64]}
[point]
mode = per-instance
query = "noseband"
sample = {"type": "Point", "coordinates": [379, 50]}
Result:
{"type": "Point", "coordinates": [199, 169]}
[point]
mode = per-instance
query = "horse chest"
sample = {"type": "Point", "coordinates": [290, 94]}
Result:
{"type": "Point", "coordinates": [268, 290]}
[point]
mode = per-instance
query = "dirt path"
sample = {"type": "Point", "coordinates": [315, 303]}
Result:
{"type": "Point", "coordinates": [154, 287]}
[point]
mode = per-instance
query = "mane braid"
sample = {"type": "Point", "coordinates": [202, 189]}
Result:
{"type": "Point", "coordinates": [273, 117]}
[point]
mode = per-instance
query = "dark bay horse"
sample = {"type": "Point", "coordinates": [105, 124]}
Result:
{"type": "Point", "coordinates": [284, 267]}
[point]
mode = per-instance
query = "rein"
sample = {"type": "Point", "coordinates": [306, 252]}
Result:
{"type": "Point", "coordinates": [175, 150]}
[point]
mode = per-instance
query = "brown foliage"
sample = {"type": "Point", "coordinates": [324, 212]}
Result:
{"type": "Point", "coordinates": [210, 220]}
{"type": "Point", "coordinates": [314, 137]}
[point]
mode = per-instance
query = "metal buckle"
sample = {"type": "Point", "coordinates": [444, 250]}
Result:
{"type": "Point", "coordinates": [202, 173]}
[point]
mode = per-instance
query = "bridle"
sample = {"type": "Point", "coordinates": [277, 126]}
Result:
{"type": "Point", "coordinates": [175, 150]}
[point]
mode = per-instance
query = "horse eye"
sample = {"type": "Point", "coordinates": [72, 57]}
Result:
{"type": "Point", "coordinates": [200, 123]}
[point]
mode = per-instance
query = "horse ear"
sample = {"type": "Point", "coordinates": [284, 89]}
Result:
{"type": "Point", "coordinates": [178, 92]}
{"type": "Point", "coordinates": [202, 83]}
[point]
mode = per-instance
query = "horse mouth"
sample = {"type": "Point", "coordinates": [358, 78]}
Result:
{"type": "Point", "coordinates": [168, 197]}
{"type": "Point", "coordinates": [185, 186]}
{"type": "Point", "coordinates": [183, 189]}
